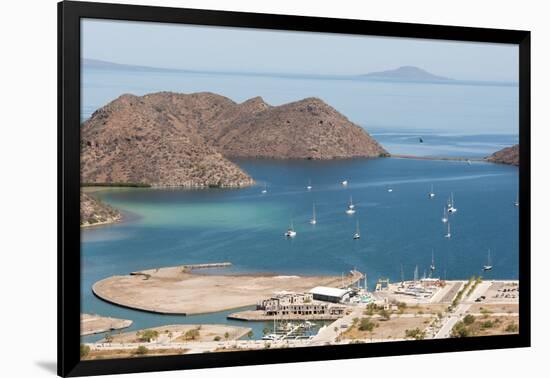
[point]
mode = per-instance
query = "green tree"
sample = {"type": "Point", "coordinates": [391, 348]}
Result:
{"type": "Point", "coordinates": [84, 350]}
{"type": "Point", "coordinates": [250, 334]}
{"type": "Point", "coordinates": [192, 334]}
{"type": "Point", "coordinates": [147, 335]}
{"type": "Point", "coordinates": [226, 335]}
{"type": "Point", "coordinates": [217, 338]}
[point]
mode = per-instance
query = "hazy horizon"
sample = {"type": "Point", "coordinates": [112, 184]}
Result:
{"type": "Point", "coordinates": [211, 48]}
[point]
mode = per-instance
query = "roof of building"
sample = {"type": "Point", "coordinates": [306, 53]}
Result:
{"type": "Point", "coordinates": [329, 291]}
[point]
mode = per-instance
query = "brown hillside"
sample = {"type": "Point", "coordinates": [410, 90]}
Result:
{"type": "Point", "coordinates": [153, 140]}
{"type": "Point", "coordinates": [93, 211]}
{"type": "Point", "coordinates": [508, 155]}
{"type": "Point", "coordinates": [306, 129]}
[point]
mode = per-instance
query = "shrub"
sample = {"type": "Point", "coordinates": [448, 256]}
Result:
{"type": "Point", "coordinates": [366, 325]}
{"type": "Point", "coordinates": [416, 334]}
{"type": "Point", "coordinates": [384, 314]}
{"type": "Point", "coordinates": [487, 324]}
{"type": "Point", "coordinates": [512, 328]}
{"type": "Point", "coordinates": [460, 330]}
{"type": "Point", "coordinates": [217, 338]}
{"type": "Point", "coordinates": [469, 319]}
{"type": "Point", "coordinates": [141, 350]}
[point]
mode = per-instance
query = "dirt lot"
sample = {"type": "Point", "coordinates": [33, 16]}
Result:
{"type": "Point", "coordinates": [387, 329]}
{"type": "Point", "coordinates": [90, 324]}
{"type": "Point", "coordinates": [175, 291]}
{"type": "Point", "coordinates": [494, 325]}
{"type": "Point", "coordinates": [504, 308]}
{"type": "Point", "coordinates": [180, 333]}
{"type": "Point", "coordinates": [125, 353]}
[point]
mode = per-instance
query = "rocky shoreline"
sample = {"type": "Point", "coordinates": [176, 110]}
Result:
{"type": "Point", "coordinates": [508, 155]}
{"type": "Point", "coordinates": [94, 212]}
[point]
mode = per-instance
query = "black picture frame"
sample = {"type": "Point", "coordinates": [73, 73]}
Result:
{"type": "Point", "coordinates": [69, 16]}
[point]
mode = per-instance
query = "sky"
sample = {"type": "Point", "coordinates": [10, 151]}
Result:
{"type": "Point", "coordinates": [210, 48]}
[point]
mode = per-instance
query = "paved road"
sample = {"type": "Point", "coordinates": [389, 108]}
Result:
{"type": "Point", "coordinates": [333, 330]}
{"type": "Point", "coordinates": [451, 319]}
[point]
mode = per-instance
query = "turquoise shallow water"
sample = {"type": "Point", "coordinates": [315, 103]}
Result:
{"type": "Point", "coordinates": [173, 227]}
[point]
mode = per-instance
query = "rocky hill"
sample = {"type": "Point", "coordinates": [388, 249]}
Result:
{"type": "Point", "coordinates": [508, 155]}
{"type": "Point", "coordinates": [154, 140]}
{"type": "Point", "coordinates": [306, 129]}
{"type": "Point", "coordinates": [170, 139]}
{"type": "Point", "coordinates": [93, 211]}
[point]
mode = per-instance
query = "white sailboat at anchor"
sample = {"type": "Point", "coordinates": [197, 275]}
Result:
{"type": "Point", "coordinates": [488, 266]}
{"type": "Point", "coordinates": [445, 218]}
{"type": "Point", "coordinates": [451, 205]}
{"type": "Point", "coordinates": [448, 234]}
{"type": "Point", "coordinates": [432, 193]}
{"type": "Point", "coordinates": [357, 234]}
{"type": "Point", "coordinates": [313, 219]}
{"type": "Point", "coordinates": [290, 233]}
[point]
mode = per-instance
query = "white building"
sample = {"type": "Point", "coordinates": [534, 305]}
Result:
{"type": "Point", "coordinates": [330, 294]}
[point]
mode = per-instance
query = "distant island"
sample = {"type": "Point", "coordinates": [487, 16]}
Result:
{"type": "Point", "coordinates": [185, 140]}
{"type": "Point", "coordinates": [406, 73]}
{"type": "Point", "coordinates": [508, 155]}
{"type": "Point", "coordinates": [106, 65]}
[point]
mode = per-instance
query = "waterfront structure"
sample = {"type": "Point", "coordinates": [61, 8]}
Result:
{"type": "Point", "coordinates": [287, 303]}
{"type": "Point", "coordinates": [330, 294]}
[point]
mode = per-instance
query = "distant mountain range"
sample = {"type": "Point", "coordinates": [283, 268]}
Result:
{"type": "Point", "coordinates": [400, 74]}
{"type": "Point", "coordinates": [104, 65]}
{"type": "Point", "coordinates": [406, 73]}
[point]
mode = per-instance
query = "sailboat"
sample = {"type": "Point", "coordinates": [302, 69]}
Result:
{"type": "Point", "coordinates": [451, 205]}
{"type": "Point", "coordinates": [448, 234]}
{"type": "Point", "coordinates": [488, 266]}
{"type": "Point", "coordinates": [390, 189]}
{"type": "Point", "coordinates": [309, 187]}
{"type": "Point", "coordinates": [313, 219]}
{"type": "Point", "coordinates": [351, 205]}
{"type": "Point", "coordinates": [432, 266]}
{"type": "Point", "coordinates": [445, 218]}
{"type": "Point", "coordinates": [290, 233]}
{"type": "Point", "coordinates": [344, 183]}
{"type": "Point", "coordinates": [516, 203]}
{"type": "Point", "coordinates": [357, 234]}
{"type": "Point", "coordinates": [431, 194]}
{"type": "Point", "coordinates": [264, 191]}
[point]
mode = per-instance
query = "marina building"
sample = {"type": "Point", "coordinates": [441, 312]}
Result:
{"type": "Point", "coordinates": [330, 294]}
{"type": "Point", "coordinates": [302, 304]}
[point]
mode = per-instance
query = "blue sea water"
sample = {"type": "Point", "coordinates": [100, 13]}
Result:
{"type": "Point", "coordinates": [464, 108]}
{"type": "Point", "coordinates": [173, 227]}
{"type": "Point", "coordinates": [245, 227]}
